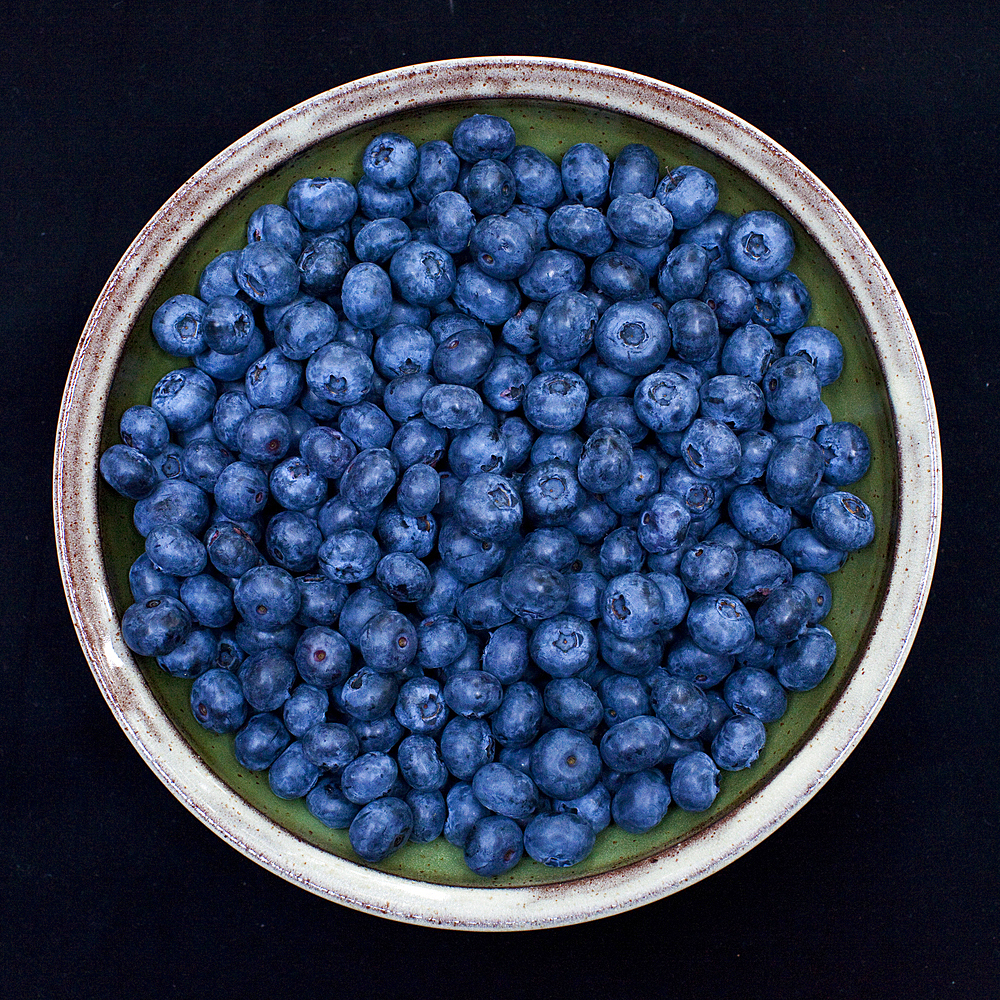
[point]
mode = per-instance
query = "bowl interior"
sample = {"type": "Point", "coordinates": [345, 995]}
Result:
{"type": "Point", "coordinates": [860, 396]}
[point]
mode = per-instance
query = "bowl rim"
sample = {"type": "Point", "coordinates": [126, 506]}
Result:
{"type": "Point", "coordinates": [360, 102]}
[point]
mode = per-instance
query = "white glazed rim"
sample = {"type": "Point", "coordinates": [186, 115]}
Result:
{"type": "Point", "coordinates": [362, 101]}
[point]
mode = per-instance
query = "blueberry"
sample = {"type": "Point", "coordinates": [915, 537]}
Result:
{"type": "Point", "coordinates": [805, 662]}
{"type": "Point", "coordinates": [450, 221]}
{"type": "Point", "coordinates": [267, 677]}
{"type": "Point", "coordinates": [305, 327]}
{"type": "Point", "coordinates": [641, 802]}
{"type": "Point", "coordinates": [327, 803]}
{"type": "Point", "coordinates": [267, 273]}
{"type": "Point", "coordinates": [581, 229]}
{"type": "Point", "coordinates": [231, 550]}
{"type": "Point", "coordinates": [694, 782]}
{"type": "Point", "coordinates": [481, 137]}
{"type": "Point", "coordinates": [635, 169]}
{"type": "Point", "coordinates": [760, 245]}
{"type": "Point", "coordinates": [843, 521]}
{"type": "Point", "coordinates": [518, 719]}
{"type": "Point", "coordinates": [555, 401]}
{"type": "Point", "coordinates": [218, 277]}
{"type": "Point", "coordinates": [621, 553]}
{"type": "Point", "coordinates": [326, 450]}
{"type": "Point", "coordinates": [550, 493]}
{"type": "Point", "coordinates": [539, 182]}
{"type": "Point", "coordinates": [369, 478]}
{"type": "Point", "coordinates": [551, 272]}
{"type": "Point", "coordinates": [806, 552]}
{"type": "Point", "coordinates": [573, 702]}
{"type": "Point", "coordinates": [349, 556]}
{"type": "Point", "coordinates": [390, 160]}
{"type": "Point", "coordinates": [366, 295]}
{"type": "Point", "coordinates": [377, 202]}
{"type": "Point", "coordinates": [710, 234]}
{"type": "Point", "coordinates": [506, 653]}
{"type": "Point", "coordinates": [464, 811]}
{"type": "Point", "coordinates": [381, 828]}
{"type": "Point", "coordinates": [707, 567]}
{"type": "Point", "coordinates": [501, 248]}
{"type": "Point", "coordinates": [231, 367]}
{"type": "Point", "coordinates": [322, 656]}
{"type": "Point", "coordinates": [399, 531]}
{"type": "Point", "coordinates": [291, 776]}
{"type": "Point", "coordinates": [267, 596]}
{"type": "Point", "coordinates": [174, 550]}
{"type": "Point", "coordinates": [565, 763]}
{"type": "Point", "coordinates": [322, 203]}
{"type": "Point", "coordinates": [274, 380]}
{"type": "Point", "coordinates": [192, 656]}
{"type": "Point", "coordinates": [738, 742]}
{"type": "Point", "coordinates": [306, 708]}
{"type": "Point", "coordinates": [749, 351]}
{"type": "Point", "coordinates": [720, 623]}
{"type": "Point", "coordinates": [757, 517]}
{"type": "Point", "coordinates": [689, 193]}
{"type": "Point", "coordinates": [534, 592]}
{"type": "Point", "coordinates": [684, 272]}
{"type": "Point", "coordinates": [423, 273]}
{"type": "Point", "coordinates": [564, 645]}
{"type": "Point", "coordinates": [693, 330]}
{"type": "Point", "coordinates": [381, 733]}
{"type": "Point", "coordinates": [781, 304]}
{"type": "Point", "coordinates": [758, 573]}
{"type": "Point", "coordinates": [128, 471]}
{"type": "Point", "coordinates": [437, 169]}
{"type": "Point", "coordinates": [633, 337]}
{"type": "Point", "coordinates": [691, 662]}
{"type": "Point", "coordinates": [634, 744]}
{"type": "Point", "coordinates": [494, 846]}
{"type": "Point", "coordinates": [466, 745]}
{"type": "Point", "coordinates": [558, 840]}
{"type": "Point", "coordinates": [322, 265]}
{"type": "Point", "coordinates": [505, 791]}
{"type": "Point", "coordinates": [178, 326]}
{"type": "Point", "coordinates": [429, 812]}
{"type": "Point", "coordinates": [369, 776]}
{"type": "Point", "coordinates": [419, 440]}
{"type": "Point", "coordinates": [492, 300]}
{"type": "Point", "coordinates": [783, 615]}
{"type": "Point", "coordinates": [490, 187]}
{"type": "Point", "coordinates": [260, 741]}
{"type": "Point", "coordinates": [184, 398]}
{"type": "Point", "coordinates": [640, 219]}
{"type": "Point", "coordinates": [144, 429]}
{"type": "Point", "coordinates": [618, 275]}
{"type": "Point", "coordinates": [469, 559]}
{"type": "Point", "coordinates": [156, 625]}
{"type": "Point", "coordinates": [794, 469]}
{"type": "Point", "coordinates": [623, 696]}
{"type": "Point", "coordinates": [752, 691]}
{"type": "Point", "coordinates": [145, 580]}
{"type": "Point", "coordinates": [681, 704]}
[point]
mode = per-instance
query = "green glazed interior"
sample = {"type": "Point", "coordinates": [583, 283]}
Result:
{"type": "Point", "coordinates": [860, 396]}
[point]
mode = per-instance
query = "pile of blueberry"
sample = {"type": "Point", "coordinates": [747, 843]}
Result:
{"type": "Point", "coordinates": [497, 499]}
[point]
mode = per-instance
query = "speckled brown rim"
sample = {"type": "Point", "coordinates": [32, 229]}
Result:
{"type": "Point", "coordinates": [134, 279]}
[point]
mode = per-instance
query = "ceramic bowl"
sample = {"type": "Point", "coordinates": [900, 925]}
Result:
{"type": "Point", "coordinates": [552, 104]}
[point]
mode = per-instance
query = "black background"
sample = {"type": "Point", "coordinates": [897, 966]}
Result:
{"type": "Point", "coordinates": [885, 884]}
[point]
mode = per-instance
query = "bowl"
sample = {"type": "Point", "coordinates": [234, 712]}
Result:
{"type": "Point", "coordinates": [879, 595]}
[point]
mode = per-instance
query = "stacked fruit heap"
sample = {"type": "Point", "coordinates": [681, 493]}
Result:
{"type": "Point", "coordinates": [498, 499]}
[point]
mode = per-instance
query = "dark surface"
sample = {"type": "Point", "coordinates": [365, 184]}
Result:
{"type": "Point", "coordinates": [884, 885]}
